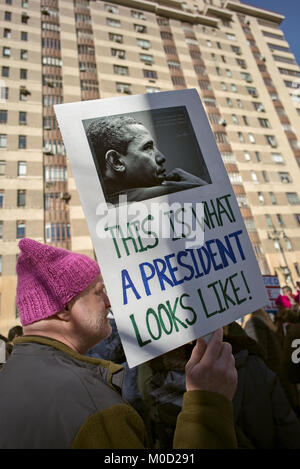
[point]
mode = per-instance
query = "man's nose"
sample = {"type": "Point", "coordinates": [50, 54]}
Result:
{"type": "Point", "coordinates": [159, 157]}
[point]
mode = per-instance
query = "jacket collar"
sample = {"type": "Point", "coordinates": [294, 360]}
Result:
{"type": "Point", "coordinates": [112, 373]}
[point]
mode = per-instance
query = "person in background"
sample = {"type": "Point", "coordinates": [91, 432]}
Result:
{"type": "Point", "coordinates": [263, 416]}
{"type": "Point", "coordinates": [260, 327]}
{"type": "Point", "coordinates": [65, 399]}
{"type": "Point", "coordinates": [16, 331]}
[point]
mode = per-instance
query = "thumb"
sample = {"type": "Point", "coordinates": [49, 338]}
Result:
{"type": "Point", "coordinates": [197, 353]}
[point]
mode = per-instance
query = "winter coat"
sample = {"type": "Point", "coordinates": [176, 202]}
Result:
{"type": "Point", "coordinates": [263, 416]}
{"type": "Point", "coordinates": [53, 397]}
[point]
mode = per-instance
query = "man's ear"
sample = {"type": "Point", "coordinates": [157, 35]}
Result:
{"type": "Point", "coordinates": [115, 161]}
{"type": "Point", "coordinates": [65, 314]}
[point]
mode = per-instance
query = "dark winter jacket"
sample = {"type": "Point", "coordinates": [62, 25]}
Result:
{"type": "Point", "coordinates": [263, 416]}
{"type": "Point", "coordinates": [53, 397]}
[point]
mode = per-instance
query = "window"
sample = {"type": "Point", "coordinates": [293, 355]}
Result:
{"type": "Point", "coordinates": [258, 157]}
{"type": "Point", "coordinates": [254, 176]}
{"type": "Point", "coordinates": [6, 52]}
{"type": "Point", "coordinates": [123, 88]}
{"type": "Point", "coordinates": [23, 74]}
{"type": "Point", "coordinates": [287, 60]}
{"type": "Point", "coordinates": [258, 106]}
{"type": "Point", "coordinates": [210, 102]}
{"type": "Point", "coordinates": [241, 137]}
{"type": "Point", "coordinates": [150, 74]}
{"type": "Point", "coordinates": [252, 91]}
{"type": "Point", "coordinates": [7, 16]}
{"type": "Point", "coordinates": [115, 37]}
{"type": "Point", "coordinates": [245, 120]}
{"type": "Point", "coordinates": [235, 178]}
{"type": "Point", "coordinates": [111, 8]}
{"type": "Point", "coordinates": [24, 4]}
{"type": "Point", "coordinates": [219, 72]}
{"type": "Point", "coordinates": [1, 198]}
{"type": "Point", "coordinates": [166, 35]}
{"type": "Point", "coordinates": [269, 221]}
{"type": "Point", "coordinates": [178, 80]}
{"type": "Point", "coordinates": [250, 225]}
{"type": "Point", "coordinates": [233, 88]}
{"type": "Point", "coordinates": [285, 177]}
{"type": "Point", "coordinates": [24, 18]}
{"type": "Point", "coordinates": [223, 86]}
{"type": "Point", "coordinates": [140, 28]}
{"type": "Point", "coordinates": [264, 123]}
{"type": "Point", "coordinates": [2, 168]}
{"type": "Point", "coordinates": [175, 65]}
{"type": "Point", "coordinates": [236, 50]}
{"type": "Point", "coordinates": [239, 103]}
{"type": "Point", "coordinates": [229, 102]}
{"type": "Point", "coordinates": [235, 119]}
{"type": "Point", "coordinates": [22, 168]}
{"type": "Point", "coordinates": [221, 137]}
{"type": "Point", "coordinates": [148, 59]}
{"type": "Point", "coordinates": [21, 229]}
{"type": "Point", "coordinates": [293, 198]}
{"type": "Point", "coordinates": [113, 22]}
{"type": "Point", "coordinates": [152, 89]}
{"type": "Point", "coordinates": [228, 73]}
{"type": "Point", "coordinates": [231, 37]}
{"type": "Point", "coordinates": [2, 141]}
{"type": "Point", "coordinates": [261, 198]}
{"type": "Point", "coordinates": [121, 70]}
{"type": "Point", "coordinates": [120, 53]}
{"type": "Point", "coordinates": [138, 14]}
{"type": "Point", "coordinates": [143, 43]}
{"type": "Point", "coordinates": [272, 198]}
{"type": "Point", "coordinates": [3, 116]}
{"type": "Point", "coordinates": [24, 36]}
{"type": "Point", "coordinates": [22, 118]}
{"type": "Point", "coordinates": [279, 219]}
{"type": "Point", "coordinates": [1, 236]}
{"type": "Point", "coordinates": [251, 138]}
{"type": "Point", "coordinates": [271, 140]}
{"type": "Point", "coordinates": [21, 198]}
{"type": "Point", "coordinates": [22, 141]}
{"type": "Point", "coordinates": [297, 218]}
{"type": "Point", "coordinates": [265, 176]}
{"type": "Point", "coordinates": [277, 158]}
{"type": "Point", "coordinates": [7, 33]}
{"type": "Point", "coordinates": [23, 54]}
{"type": "Point", "coordinates": [247, 156]}
{"type": "Point", "coordinates": [5, 72]}
{"type": "Point", "coordinates": [4, 93]}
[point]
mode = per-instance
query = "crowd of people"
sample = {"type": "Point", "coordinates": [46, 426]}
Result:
{"type": "Point", "coordinates": [66, 384]}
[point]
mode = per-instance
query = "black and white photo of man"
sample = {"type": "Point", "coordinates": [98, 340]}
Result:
{"type": "Point", "coordinates": [129, 162]}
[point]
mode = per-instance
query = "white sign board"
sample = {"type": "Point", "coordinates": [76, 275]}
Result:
{"type": "Point", "coordinates": [273, 291]}
{"type": "Point", "coordinates": [171, 243]}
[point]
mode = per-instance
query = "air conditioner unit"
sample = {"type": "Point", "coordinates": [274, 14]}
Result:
{"type": "Point", "coordinates": [82, 69]}
{"type": "Point", "coordinates": [50, 84]}
{"type": "Point", "coordinates": [47, 151]}
{"type": "Point", "coordinates": [249, 80]}
{"type": "Point", "coordinates": [65, 196]}
{"type": "Point", "coordinates": [47, 127]}
{"type": "Point", "coordinates": [45, 11]}
{"type": "Point", "coordinates": [127, 91]}
{"type": "Point", "coordinates": [261, 109]}
{"type": "Point", "coordinates": [222, 121]}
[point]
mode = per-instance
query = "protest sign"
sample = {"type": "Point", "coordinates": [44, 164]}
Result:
{"type": "Point", "coordinates": [165, 224]}
{"type": "Point", "coordinates": [273, 291]}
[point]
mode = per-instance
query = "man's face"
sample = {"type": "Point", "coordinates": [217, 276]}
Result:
{"type": "Point", "coordinates": [287, 291]}
{"type": "Point", "coordinates": [144, 163]}
{"type": "Point", "coordinates": [89, 313]}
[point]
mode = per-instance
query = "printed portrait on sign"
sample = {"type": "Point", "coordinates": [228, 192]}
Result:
{"type": "Point", "coordinates": [146, 154]}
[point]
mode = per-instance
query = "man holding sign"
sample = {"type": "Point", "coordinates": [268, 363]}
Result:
{"type": "Point", "coordinates": [52, 396]}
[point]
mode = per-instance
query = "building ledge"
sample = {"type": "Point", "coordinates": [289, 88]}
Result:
{"type": "Point", "coordinates": [162, 8]}
{"type": "Point", "coordinates": [255, 11]}
{"type": "Point", "coordinates": [214, 11]}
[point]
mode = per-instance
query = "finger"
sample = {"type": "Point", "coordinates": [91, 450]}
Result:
{"type": "Point", "coordinates": [197, 353]}
{"type": "Point", "coordinates": [214, 346]}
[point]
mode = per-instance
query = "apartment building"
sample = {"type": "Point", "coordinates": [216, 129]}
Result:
{"type": "Point", "coordinates": [235, 55]}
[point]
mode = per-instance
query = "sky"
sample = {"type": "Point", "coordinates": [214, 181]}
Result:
{"type": "Point", "coordinates": [290, 26]}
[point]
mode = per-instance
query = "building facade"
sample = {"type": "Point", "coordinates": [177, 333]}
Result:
{"type": "Point", "coordinates": [235, 55]}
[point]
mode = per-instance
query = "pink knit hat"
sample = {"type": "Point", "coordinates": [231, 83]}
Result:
{"type": "Point", "coordinates": [48, 278]}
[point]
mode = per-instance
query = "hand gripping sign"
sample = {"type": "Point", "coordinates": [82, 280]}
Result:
{"type": "Point", "coordinates": [164, 221]}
